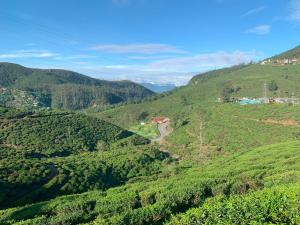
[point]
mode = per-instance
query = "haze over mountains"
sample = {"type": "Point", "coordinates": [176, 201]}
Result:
{"type": "Point", "coordinates": [159, 88]}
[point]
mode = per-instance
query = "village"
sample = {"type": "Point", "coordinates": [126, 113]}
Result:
{"type": "Point", "coordinates": [18, 98]}
{"type": "Point", "coordinates": [254, 101]}
{"type": "Point", "coordinates": [281, 62]}
{"type": "Point", "coordinates": [263, 100]}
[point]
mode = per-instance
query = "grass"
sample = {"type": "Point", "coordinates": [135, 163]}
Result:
{"type": "Point", "coordinates": [225, 182]}
{"type": "Point", "coordinates": [148, 130]}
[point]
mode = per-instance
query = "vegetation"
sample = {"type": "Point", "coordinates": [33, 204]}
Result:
{"type": "Point", "coordinates": [290, 54]}
{"type": "Point", "coordinates": [236, 164]}
{"type": "Point", "coordinates": [69, 90]}
{"type": "Point", "coordinates": [222, 183]}
{"type": "Point", "coordinates": [147, 130]}
{"type": "Point", "coordinates": [23, 99]}
{"type": "Point", "coordinates": [273, 86]}
{"type": "Point", "coordinates": [46, 154]}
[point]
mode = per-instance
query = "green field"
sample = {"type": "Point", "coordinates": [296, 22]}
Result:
{"type": "Point", "coordinates": [213, 191]}
{"type": "Point", "coordinates": [148, 130]}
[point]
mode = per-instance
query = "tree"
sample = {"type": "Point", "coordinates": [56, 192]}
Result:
{"type": "Point", "coordinates": [143, 116]}
{"type": "Point", "coordinates": [273, 86]}
{"type": "Point", "coordinates": [225, 94]}
{"type": "Point", "coordinates": [101, 145]}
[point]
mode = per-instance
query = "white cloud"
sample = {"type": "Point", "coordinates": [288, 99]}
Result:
{"type": "Point", "coordinates": [139, 75]}
{"type": "Point", "coordinates": [137, 48]}
{"type": "Point", "coordinates": [202, 62]}
{"type": "Point", "coordinates": [72, 57]}
{"type": "Point", "coordinates": [27, 54]}
{"type": "Point", "coordinates": [295, 10]}
{"type": "Point", "coordinates": [177, 70]}
{"type": "Point", "coordinates": [254, 11]}
{"type": "Point", "coordinates": [260, 30]}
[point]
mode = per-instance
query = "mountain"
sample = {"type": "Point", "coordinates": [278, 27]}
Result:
{"type": "Point", "coordinates": [158, 88]}
{"type": "Point", "coordinates": [70, 90]}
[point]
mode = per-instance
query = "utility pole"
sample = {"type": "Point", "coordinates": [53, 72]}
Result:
{"type": "Point", "coordinates": [293, 99]}
{"type": "Point", "coordinates": [265, 90]}
{"type": "Point", "coordinates": [200, 131]}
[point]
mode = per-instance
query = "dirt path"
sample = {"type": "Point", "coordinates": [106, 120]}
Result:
{"type": "Point", "coordinates": [164, 130]}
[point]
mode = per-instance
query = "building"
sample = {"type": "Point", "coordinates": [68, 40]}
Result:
{"type": "Point", "coordinates": [266, 62]}
{"type": "Point", "coordinates": [282, 62]}
{"type": "Point", "coordinates": [249, 101]}
{"type": "Point", "coordinates": [160, 120]}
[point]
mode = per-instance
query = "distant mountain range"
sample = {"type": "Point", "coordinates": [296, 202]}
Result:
{"type": "Point", "coordinates": [67, 89]}
{"type": "Point", "coordinates": [159, 88]}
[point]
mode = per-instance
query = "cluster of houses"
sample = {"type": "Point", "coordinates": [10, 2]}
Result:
{"type": "Point", "coordinates": [17, 98]}
{"type": "Point", "coordinates": [281, 62]}
{"type": "Point", "coordinates": [253, 101]}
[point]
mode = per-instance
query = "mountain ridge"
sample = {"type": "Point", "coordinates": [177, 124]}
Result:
{"type": "Point", "coordinates": [63, 85]}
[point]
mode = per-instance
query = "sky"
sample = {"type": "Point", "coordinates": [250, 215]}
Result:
{"type": "Point", "coordinates": [157, 41]}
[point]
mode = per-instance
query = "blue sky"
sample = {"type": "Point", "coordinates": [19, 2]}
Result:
{"type": "Point", "coordinates": [161, 41]}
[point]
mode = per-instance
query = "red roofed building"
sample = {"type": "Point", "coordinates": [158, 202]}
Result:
{"type": "Point", "coordinates": [160, 120]}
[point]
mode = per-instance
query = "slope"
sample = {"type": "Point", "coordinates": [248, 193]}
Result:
{"type": "Point", "coordinates": [225, 181]}
{"type": "Point", "coordinates": [47, 154]}
{"type": "Point", "coordinates": [290, 54]}
{"type": "Point", "coordinates": [64, 86]}
{"type": "Point", "coordinates": [225, 127]}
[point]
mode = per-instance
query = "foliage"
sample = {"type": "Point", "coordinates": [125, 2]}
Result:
{"type": "Point", "coordinates": [147, 130]}
{"type": "Point", "coordinates": [67, 89]}
{"type": "Point", "coordinates": [46, 154]}
{"type": "Point", "coordinates": [273, 86]}
{"type": "Point", "coordinates": [229, 186]}
{"type": "Point", "coordinates": [290, 54]}
{"type": "Point", "coordinates": [238, 164]}
{"type": "Point", "coordinates": [278, 205]}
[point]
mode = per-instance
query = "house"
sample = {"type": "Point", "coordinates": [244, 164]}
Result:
{"type": "Point", "coordinates": [160, 120]}
{"type": "Point", "coordinates": [249, 101]}
{"type": "Point", "coordinates": [265, 62]}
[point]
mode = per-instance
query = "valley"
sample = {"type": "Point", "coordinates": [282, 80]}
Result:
{"type": "Point", "coordinates": [180, 157]}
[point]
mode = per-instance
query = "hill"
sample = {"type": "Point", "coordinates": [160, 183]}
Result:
{"type": "Point", "coordinates": [70, 90]}
{"type": "Point", "coordinates": [236, 164]}
{"type": "Point", "coordinates": [227, 126]}
{"type": "Point", "coordinates": [257, 186]}
{"type": "Point", "coordinates": [290, 54]}
{"type": "Point", "coordinates": [46, 154]}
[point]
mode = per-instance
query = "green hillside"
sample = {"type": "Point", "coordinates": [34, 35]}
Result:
{"type": "Point", "coordinates": [70, 90]}
{"type": "Point", "coordinates": [234, 164]}
{"type": "Point", "coordinates": [226, 126]}
{"type": "Point", "coordinates": [226, 191]}
{"type": "Point", "coordinates": [46, 154]}
{"type": "Point", "coordinates": [244, 81]}
{"type": "Point", "coordinates": [290, 54]}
